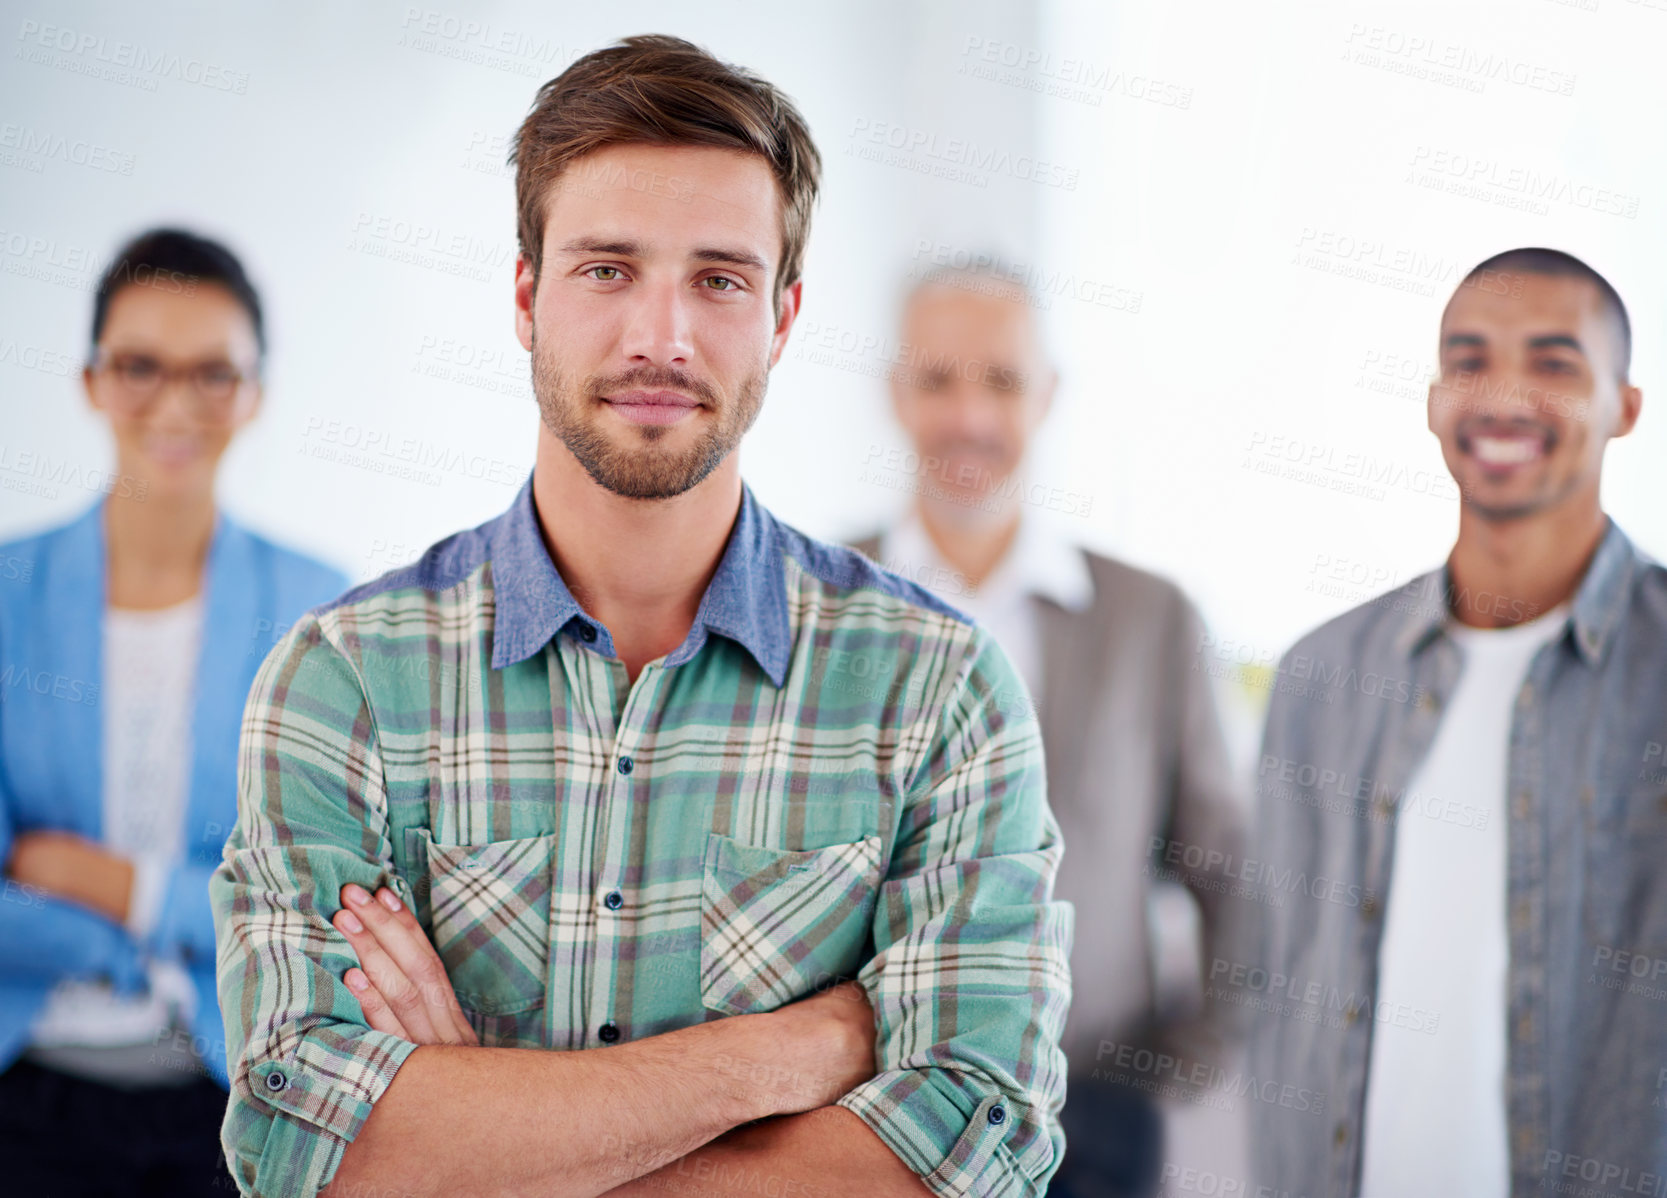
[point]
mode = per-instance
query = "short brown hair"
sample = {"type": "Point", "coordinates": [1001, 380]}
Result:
{"type": "Point", "coordinates": [662, 90]}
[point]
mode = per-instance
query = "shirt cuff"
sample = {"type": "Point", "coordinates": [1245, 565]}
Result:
{"type": "Point", "coordinates": [144, 901]}
{"type": "Point", "coordinates": [952, 1153]}
{"type": "Point", "coordinates": [312, 1103]}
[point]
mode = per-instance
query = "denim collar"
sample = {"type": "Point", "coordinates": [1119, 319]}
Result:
{"type": "Point", "coordinates": [746, 601]}
{"type": "Point", "coordinates": [1598, 603]}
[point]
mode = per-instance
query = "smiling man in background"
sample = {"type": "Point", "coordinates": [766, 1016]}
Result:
{"type": "Point", "coordinates": [541, 838]}
{"type": "Point", "coordinates": [1138, 771]}
{"type": "Point", "coordinates": [1470, 755]}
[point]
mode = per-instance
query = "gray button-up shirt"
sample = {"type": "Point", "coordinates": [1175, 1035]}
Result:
{"type": "Point", "coordinates": [1355, 710]}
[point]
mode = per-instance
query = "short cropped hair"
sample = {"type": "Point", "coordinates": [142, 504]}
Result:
{"type": "Point", "coordinates": [659, 90]}
{"type": "Point", "coordinates": [1537, 260]}
{"type": "Point", "coordinates": [177, 258]}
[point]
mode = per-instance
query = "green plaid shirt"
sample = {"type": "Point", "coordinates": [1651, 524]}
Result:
{"type": "Point", "coordinates": [835, 775]}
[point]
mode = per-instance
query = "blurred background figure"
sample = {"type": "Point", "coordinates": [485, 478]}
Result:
{"type": "Point", "coordinates": [1138, 772]}
{"type": "Point", "coordinates": [1478, 755]}
{"type": "Point", "coordinates": [128, 640]}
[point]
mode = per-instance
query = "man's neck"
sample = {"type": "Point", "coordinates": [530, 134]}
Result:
{"type": "Point", "coordinates": [638, 566]}
{"type": "Point", "coordinates": [156, 548]}
{"type": "Point", "coordinates": [973, 548]}
{"type": "Point", "coordinates": [1508, 572]}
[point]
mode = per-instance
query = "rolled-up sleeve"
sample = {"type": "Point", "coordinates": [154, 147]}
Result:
{"type": "Point", "coordinates": [970, 980]}
{"type": "Point", "coordinates": [312, 815]}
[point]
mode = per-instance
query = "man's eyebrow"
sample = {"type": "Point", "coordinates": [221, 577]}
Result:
{"type": "Point", "coordinates": [1556, 340]}
{"type": "Point", "coordinates": [730, 257]}
{"type": "Point", "coordinates": [1454, 340]}
{"type": "Point", "coordinates": [601, 245]}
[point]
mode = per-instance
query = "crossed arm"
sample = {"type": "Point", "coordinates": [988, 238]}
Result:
{"type": "Point", "coordinates": [664, 1113]}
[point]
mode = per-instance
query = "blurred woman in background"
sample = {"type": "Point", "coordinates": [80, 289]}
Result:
{"type": "Point", "coordinates": [128, 641]}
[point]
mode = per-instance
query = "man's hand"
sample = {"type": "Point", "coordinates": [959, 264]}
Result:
{"type": "Point", "coordinates": [74, 868]}
{"type": "Point", "coordinates": [827, 1044]}
{"type": "Point", "coordinates": [400, 981]}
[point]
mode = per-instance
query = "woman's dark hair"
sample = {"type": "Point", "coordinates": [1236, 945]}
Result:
{"type": "Point", "coordinates": [176, 260]}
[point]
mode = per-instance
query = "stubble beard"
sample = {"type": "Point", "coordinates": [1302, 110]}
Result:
{"type": "Point", "coordinates": [646, 469]}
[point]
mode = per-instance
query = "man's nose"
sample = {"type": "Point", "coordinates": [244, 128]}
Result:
{"type": "Point", "coordinates": [659, 328]}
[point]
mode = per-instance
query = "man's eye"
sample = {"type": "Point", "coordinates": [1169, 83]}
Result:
{"type": "Point", "coordinates": [139, 369]}
{"type": "Point", "coordinates": [604, 274]}
{"type": "Point", "coordinates": [729, 284]}
{"type": "Point", "coordinates": [1557, 366]}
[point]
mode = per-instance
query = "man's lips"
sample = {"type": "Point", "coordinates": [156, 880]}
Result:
{"type": "Point", "coordinates": [652, 407]}
{"type": "Point", "coordinates": [1503, 449]}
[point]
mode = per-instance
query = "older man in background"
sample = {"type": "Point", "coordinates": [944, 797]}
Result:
{"type": "Point", "coordinates": [1137, 766]}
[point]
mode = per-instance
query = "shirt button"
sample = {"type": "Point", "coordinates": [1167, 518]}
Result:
{"type": "Point", "coordinates": [1340, 1134]}
{"type": "Point", "coordinates": [1369, 906]}
{"type": "Point", "coordinates": [1523, 801]}
{"type": "Point", "coordinates": [587, 634]}
{"type": "Point", "coordinates": [609, 1032]}
{"type": "Point", "coordinates": [613, 900]}
{"type": "Point", "coordinates": [276, 1081]}
{"type": "Point", "coordinates": [626, 765]}
{"type": "Point", "coordinates": [998, 1114]}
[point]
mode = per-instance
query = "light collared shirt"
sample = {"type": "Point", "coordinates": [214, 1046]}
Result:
{"type": "Point", "coordinates": [1356, 709]}
{"type": "Point", "coordinates": [1040, 562]}
{"type": "Point", "coordinates": [817, 783]}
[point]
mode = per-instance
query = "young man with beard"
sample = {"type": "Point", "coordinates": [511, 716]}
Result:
{"type": "Point", "coordinates": [1466, 761]}
{"type": "Point", "coordinates": [574, 908]}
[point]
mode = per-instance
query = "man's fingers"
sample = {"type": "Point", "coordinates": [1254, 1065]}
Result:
{"type": "Point", "coordinates": [396, 989]}
{"type": "Point", "coordinates": [417, 986]}
{"type": "Point", "coordinates": [377, 1012]}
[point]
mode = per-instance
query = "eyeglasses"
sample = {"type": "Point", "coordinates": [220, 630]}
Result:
{"type": "Point", "coordinates": [139, 378]}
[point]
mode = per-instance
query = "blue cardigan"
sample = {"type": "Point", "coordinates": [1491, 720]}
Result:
{"type": "Point", "coordinates": [52, 601]}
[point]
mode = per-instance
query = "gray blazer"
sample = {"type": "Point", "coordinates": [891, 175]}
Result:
{"type": "Point", "coordinates": [1138, 774]}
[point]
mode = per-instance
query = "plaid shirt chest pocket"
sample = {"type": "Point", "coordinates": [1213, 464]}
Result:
{"type": "Point", "coordinates": [779, 923]}
{"type": "Point", "coordinates": [488, 913]}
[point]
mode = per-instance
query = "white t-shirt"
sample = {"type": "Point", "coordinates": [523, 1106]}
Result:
{"type": "Point", "coordinates": [1435, 1099]}
{"type": "Point", "coordinates": [150, 666]}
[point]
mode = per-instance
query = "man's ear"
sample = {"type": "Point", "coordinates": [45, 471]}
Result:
{"type": "Point", "coordinates": [1048, 384]}
{"type": "Point", "coordinates": [526, 288]}
{"type": "Point", "coordinates": [791, 297]}
{"type": "Point", "coordinates": [1632, 404]}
